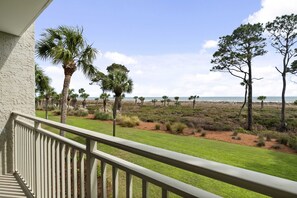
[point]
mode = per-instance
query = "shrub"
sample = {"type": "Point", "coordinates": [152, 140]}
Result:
{"type": "Point", "coordinates": [102, 116]}
{"type": "Point", "coordinates": [283, 139]}
{"type": "Point", "coordinates": [157, 126]}
{"type": "Point", "coordinates": [178, 127]}
{"type": "Point", "coordinates": [168, 126]}
{"type": "Point", "coordinates": [203, 134]}
{"type": "Point", "coordinates": [235, 133]}
{"type": "Point", "coordinates": [293, 142]}
{"type": "Point", "coordinates": [240, 130]}
{"type": "Point", "coordinates": [81, 112]}
{"type": "Point", "coordinates": [236, 138]}
{"type": "Point", "coordinates": [127, 121]}
{"type": "Point", "coordinates": [71, 112]}
{"type": "Point", "coordinates": [276, 146]}
{"type": "Point", "coordinates": [261, 141]}
{"type": "Point", "coordinates": [56, 112]}
{"type": "Point", "coordinates": [295, 102]}
{"type": "Point", "coordinates": [268, 137]}
{"type": "Point", "coordinates": [199, 129]}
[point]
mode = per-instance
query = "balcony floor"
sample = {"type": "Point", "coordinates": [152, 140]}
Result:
{"type": "Point", "coordinates": [9, 187]}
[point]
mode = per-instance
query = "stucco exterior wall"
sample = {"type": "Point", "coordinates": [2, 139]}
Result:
{"type": "Point", "coordinates": [16, 87]}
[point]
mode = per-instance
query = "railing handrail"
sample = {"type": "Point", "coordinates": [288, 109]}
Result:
{"type": "Point", "coordinates": [258, 182]}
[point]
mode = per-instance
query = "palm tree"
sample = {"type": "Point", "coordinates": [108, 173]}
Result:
{"type": "Point", "coordinates": [194, 99]}
{"type": "Point", "coordinates": [70, 93]}
{"type": "Point", "coordinates": [176, 98]}
{"type": "Point", "coordinates": [154, 101]}
{"type": "Point", "coordinates": [73, 97]}
{"type": "Point", "coordinates": [53, 98]}
{"type": "Point", "coordinates": [84, 96]}
{"type": "Point", "coordinates": [67, 46]}
{"type": "Point", "coordinates": [165, 99]}
{"type": "Point", "coordinates": [42, 83]}
{"type": "Point", "coordinates": [262, 98]}
{"type": "Point", "coordinates": [48, 94]}
{"type": "Point", "coordinates": [141, 100]}
{"type": "Point", "coordinates": [118, 82]}
{"type": "Point", "coordinates": [120, 102]}
{"type": "Point", "coordinates": [135, 99]}
{"type": "Point", "coordinates": [168, 101]}
{"type": "Point", "coordinates": [104, 97]}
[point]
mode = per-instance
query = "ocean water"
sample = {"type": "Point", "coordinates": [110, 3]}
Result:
{"type": "Point", "coordinates": [275, 99]}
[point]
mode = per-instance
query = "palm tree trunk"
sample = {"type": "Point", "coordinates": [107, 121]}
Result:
{"type": "Point", "coordinates": [64, 101]}
{"type": "Point", "coordinates": [46, 108]}
{"type": "Point", "coordinates": [114, 115]}
{"type": "Point", "coordinates": [104, 105]}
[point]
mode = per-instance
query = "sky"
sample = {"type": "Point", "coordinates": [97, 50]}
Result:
{"type": "Point", "coordinates": [167, 45]}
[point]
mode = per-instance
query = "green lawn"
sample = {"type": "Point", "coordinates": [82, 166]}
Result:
{"type": "Point", "coordinates": [252, 158]}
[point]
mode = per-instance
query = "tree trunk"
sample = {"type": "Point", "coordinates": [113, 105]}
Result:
{"type": "Point", "coordinates": [250, 99]}
{"type": "Point", "coordinates": [114, 115]}
{"type": "Point", "coordinates": [46, 108]}
{"type": "Point", "coordinates": [283, 118]}
{"type": "Point", "coordinates": [84, 103]}
{"type": "Point", "coordinates": [119, 107]}
{"type": "Point", "coordinates": [262, 104]}
{"type": "Point", "coordinates": [194, 104]}
{"type": "Point", "coordinates": [64, 101]}
{"type": "Point", "coordinates": [104, 105]}
{"type": "Point", "coordinates": [244, 102]}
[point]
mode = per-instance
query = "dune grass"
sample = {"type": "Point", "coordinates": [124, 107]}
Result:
{"type": "Point", "coordinates": [252, 158]}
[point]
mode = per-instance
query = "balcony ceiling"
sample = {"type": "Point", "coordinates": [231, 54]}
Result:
{"type": "Point", "coordinates": [17, 15]}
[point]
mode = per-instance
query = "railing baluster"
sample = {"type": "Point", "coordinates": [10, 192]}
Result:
{"type": "Point", "coordinates": [49, 176]}
{"type": "Point", "coordinates": [82, 174]}
{"type": "Point", "coordinates": [37, 161]}
{"type": "Point", "coordinates": [115, 182]}
{"type": "Point", "coordinates": [45, 173]}
{"type": "Point", "coordinates": [91, 169]}
{"type": "Point", "coordinates": [68, 171]}
{"type": "Point", "coordinates": [63, 169]}
{"type": "Point", "coordinates": [42, 164]}
{"type": "Point", "coordinates": [129, 182]}
{"type": "Point", "coordinates": [103, 179]}
{"type": "Point", "coordinates": [53, 168]}
{"type": "Point", "coordinates": [144, 189]}
{"type": "Point", "coordinates": [14, 132]}
{"type": "Point", "coordinates": [26, 157]}
{"type": "Point", "coordinates": [74, 166]}
{"type": "Point", "coordinates": [22, 153]}
{"type": "Point", "coordinates": [164, 193]}
{"type": "Point", "coordinates": [28, 180]}
{"type": "Point", "coordinates": [58, 193]}
{"type": "Point", "coordinates": [31, 159]}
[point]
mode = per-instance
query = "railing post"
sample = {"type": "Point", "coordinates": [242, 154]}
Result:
{"type": "Point", "coordinates": [91, 169]}
{"type": "Point", "coordinates": [37, 160]}
{"type": "Point", "coordinates": [15, 143]}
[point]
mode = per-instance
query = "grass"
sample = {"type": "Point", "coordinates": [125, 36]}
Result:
{"type": "Point", "coordinates": [252, 158]}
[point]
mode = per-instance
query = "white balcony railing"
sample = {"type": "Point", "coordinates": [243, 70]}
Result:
{"type": "Point", "coordinates": [53, 166]}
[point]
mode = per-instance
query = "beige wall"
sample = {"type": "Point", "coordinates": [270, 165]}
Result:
{"type": "Point", "coordinates": [16, 87]}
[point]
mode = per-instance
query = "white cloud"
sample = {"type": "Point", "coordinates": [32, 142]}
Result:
{"type": "Point", "coordinates": [119, 58]}
{"type": "Point", "coordinates": [210, 44]}
{"type": "Point", "coordinates": [183, 75]}
{"type": "Point", "coordinates": [272, 8]}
